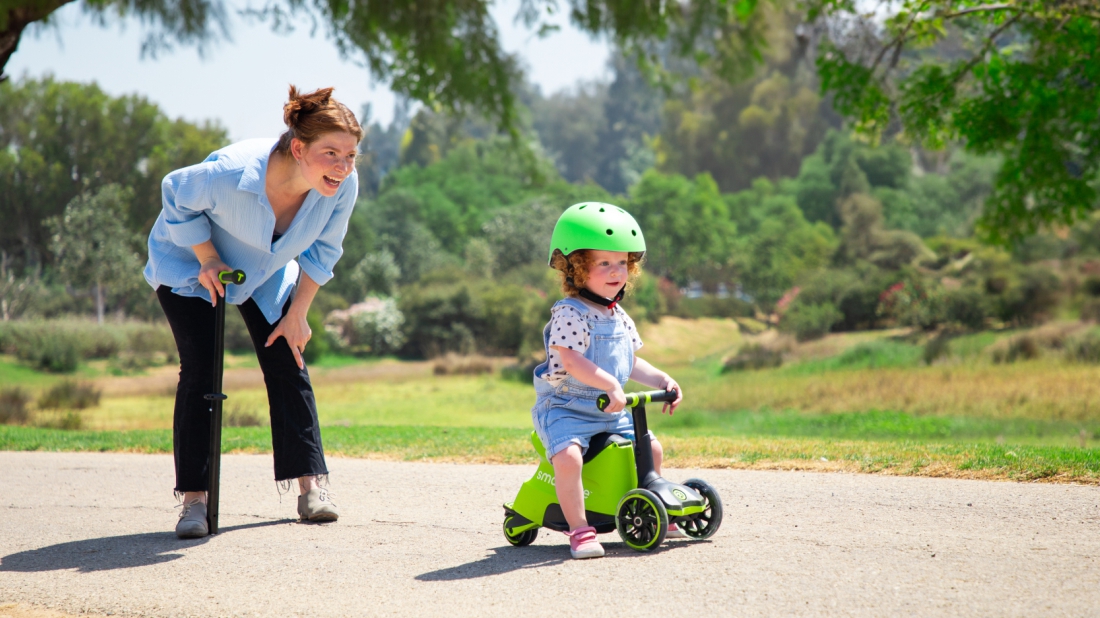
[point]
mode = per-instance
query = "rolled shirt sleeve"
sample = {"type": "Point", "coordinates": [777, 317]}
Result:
{"type": "Point", "coordinates": [320, 258]}
{"type": "Point", "coordinates": [185, 195]}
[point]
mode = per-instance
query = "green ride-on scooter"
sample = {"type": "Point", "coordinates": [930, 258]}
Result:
{"type": "Point", "coordinates": [622, 491]}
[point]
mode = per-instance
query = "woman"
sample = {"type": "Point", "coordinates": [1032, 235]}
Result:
{"type": "Point", "coordinates": [255, 206]}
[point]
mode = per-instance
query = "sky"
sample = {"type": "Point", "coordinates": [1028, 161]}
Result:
{"type": "Point", "coordinates": [242, 84]}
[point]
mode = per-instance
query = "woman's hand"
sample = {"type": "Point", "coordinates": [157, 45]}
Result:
{"type": "Point", "coordinates": [208, 278]}
{"type": "Point", "coordinates": [618, 400]}
{"type": "Point", "coordinates": [294, 328]}
{"type": "Point", "coordinates": [668, 385]}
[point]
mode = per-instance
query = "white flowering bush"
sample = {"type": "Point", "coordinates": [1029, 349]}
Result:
{"type": "Point", "coordinates": [372, 327]}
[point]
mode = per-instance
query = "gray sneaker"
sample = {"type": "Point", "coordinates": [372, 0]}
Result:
{"type": "Point", "coordinates": [192, 523]}
{"type": "Point", "coordinates": [317, 505]}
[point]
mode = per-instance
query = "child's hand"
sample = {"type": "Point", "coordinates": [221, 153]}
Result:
{"type": "Point", "coordinates": [618, 400]}
{"type": "Point", "coordinates": [669, 385]}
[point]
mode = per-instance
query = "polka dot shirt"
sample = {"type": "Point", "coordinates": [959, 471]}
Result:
{"type": "Point", "coordinates": [568, 329]}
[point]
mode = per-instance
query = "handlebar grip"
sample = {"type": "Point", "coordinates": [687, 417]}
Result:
{"type": "Point", "coordinates": [234, 277]}
{"type": "Point", "coordinates": [634, 399]}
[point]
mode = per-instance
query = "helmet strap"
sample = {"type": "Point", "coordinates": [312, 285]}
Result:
{"type": "Point", "coordinates": [600, 300]}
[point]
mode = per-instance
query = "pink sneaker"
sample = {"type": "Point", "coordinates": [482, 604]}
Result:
{"type": "Point", "coordinates": [674, 532]}
{"type": "Point", "coordinates": [583, 543]}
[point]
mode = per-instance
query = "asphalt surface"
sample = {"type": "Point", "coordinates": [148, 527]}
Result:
{"type": "Point", "coordinates": [93, 533]}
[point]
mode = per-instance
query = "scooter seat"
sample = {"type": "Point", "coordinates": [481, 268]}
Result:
{"type": "Point", "coordinates": [600, 441]}
{"type": "Point", "coordinates": [596, 444]}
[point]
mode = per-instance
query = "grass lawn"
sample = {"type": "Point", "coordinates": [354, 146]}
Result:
{"type": "Point", "coordinates": [861, 402]}
{"type": "Point", "coordinates": [683, 448]}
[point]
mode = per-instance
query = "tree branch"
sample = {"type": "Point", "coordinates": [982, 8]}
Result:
{"type": "Point", "coordinates": [16, 20]}
{"type": "Point", "coordinates": [985, 8]}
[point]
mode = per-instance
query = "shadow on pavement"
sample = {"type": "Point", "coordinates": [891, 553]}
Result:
{"type": "Point", "coordinates": [113, 552]}
{"type": "Point", "coordinates": [507, 559]}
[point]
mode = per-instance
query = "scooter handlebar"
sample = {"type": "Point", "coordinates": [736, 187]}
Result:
{"type": "Point", "coordinates": [634, 399]}
{"type": "Point", "coordinates": [236, 277]}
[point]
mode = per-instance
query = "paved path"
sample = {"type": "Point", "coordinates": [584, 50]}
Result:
{"type": "Point", "coordinates": [92, 533]}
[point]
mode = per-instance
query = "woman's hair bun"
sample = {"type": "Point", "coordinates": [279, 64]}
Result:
{"type": "Point", "coordinates": [311, 115]}
{"type": "Point", "coordinates": [299, 104]}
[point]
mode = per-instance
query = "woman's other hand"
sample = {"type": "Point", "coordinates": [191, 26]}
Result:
{"type": "Point", "coordinates": [294, 328]}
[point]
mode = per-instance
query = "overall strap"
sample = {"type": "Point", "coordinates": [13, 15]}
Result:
{"type": "Point", "coordinates": [577, 304]}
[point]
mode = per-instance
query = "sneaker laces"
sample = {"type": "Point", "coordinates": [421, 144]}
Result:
{"type": "Point", "coordinates": [186, 508]}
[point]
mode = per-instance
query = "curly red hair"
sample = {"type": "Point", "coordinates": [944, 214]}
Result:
{"type": "Point", "coordinates": [573, 269]}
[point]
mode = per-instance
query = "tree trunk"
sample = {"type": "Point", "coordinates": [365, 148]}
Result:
{"type": "Point", "coordinates": [24, 13]}
{"type": "Point", "coordinates": [98, 302]}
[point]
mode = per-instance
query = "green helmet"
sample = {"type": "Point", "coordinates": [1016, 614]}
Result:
{"type": "Point", "coordinates": [594, 225]}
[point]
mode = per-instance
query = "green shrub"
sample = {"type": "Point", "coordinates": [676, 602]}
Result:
{"type": "Point", "coordinates": [13, 406]}
{"type": "Point", "coordinates": [239, 416]}
{"type": "Point", "coordinates": [878, 354]}
{"type": "Point", "coordinates": [1023, 347]}
{"type": "Point", "coordinates": [711, 306]}
{"type": "Point", "coordinates": [753, 356]}
{"type": "Point", "coordinates": [318, 344]}
{"type": "Point", "coordinates": [1029, 296]}
{"type": "Point", "coordinates": [236, 337]}
{"type": "Point", "coordinates": [1091, 285]}
{"type": "Point", "coordinates": [966, 307]}
{"type": "Point", "coordinates": [1084, 348]}
{"type": "Point", "coordinates": [915, 302]}
{"type": "Point", "coordinates": [1090, 310]}
{"type": "Point", "coordinates": [71, 420]}
{"type": "Point", "coordinates": [60, 345]}
{"type": "Point", "coordinates": [855, 292]}
{"type": "Point", "coordinates": [372, 327]}
{"type": "Point", "coordinates": [69, 395]}
{"type": "Point", "coordinates": [809, 322]}
{"type": "Point", "coordinates": [937, 347]}
{"type": "Point", "coordinates": [471, 316]}
{"type": "Point", "coordinates": [523, 371]}
{"type": "Point", "coordinates": [453, 364]}
{"type": "Point", "coordinates": [55, 351]}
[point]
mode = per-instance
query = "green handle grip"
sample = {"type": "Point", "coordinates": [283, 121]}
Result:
{"type": "Point", "coordinates": [634, 399]}
{"type": "Point", "coordinates": [232, 277]}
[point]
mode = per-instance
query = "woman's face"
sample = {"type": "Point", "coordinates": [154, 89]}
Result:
{"type": "Point", "coordinates": [607, 272]}
{"type": "Point", "coordinates": [327, 162]}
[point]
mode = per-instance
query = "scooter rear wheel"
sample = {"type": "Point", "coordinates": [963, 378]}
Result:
{"type": "Point", "coordinates": [523, 538]}
{"type": "Point", "coordinates": [705, 524]}
{"type": "Point", "coordinates": [642, 520]}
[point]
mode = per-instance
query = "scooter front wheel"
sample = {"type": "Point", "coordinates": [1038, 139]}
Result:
{"type": "Point", "coordinates": [642, 520]}
{"type": "Point", "coordinates": [519, 539]}
{"type": "Point", "coordinates": [704, 525]}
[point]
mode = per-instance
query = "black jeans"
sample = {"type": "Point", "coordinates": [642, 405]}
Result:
{"type": "Point", "coordinates": [295, 433]}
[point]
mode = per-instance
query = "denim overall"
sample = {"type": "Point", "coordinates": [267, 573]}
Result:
{"type": "Point", "coordinates": [567, 413]}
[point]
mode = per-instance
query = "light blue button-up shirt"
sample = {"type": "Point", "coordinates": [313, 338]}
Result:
{"type": "Point", "coordinates": [223, 199]}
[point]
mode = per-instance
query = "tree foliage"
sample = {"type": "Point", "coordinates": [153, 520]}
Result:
{"type": "Point", "coordinates": [93, 246]}
{"type": "Point", "coordinates": [62, 139]}
{"type": "Point", "coordinates": [1017, 79]}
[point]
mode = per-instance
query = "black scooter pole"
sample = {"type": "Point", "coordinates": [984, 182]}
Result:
{"type": "Point", "coordinates": [216, 398]}
{"type": "Point", "coordinates": [643, 455]}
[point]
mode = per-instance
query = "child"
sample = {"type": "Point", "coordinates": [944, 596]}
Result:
{"type": "Point", "coordinates": [590, 344]}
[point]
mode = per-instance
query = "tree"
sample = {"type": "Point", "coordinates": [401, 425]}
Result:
{"type": "Point", "coordinates": [62, 139]}
{"type": "Point", "coordinates": [1016, 78]}
{"type": "Point", "coordinates": [761, 126]}
{"type": "Point", "coordinates": [775, 244]}
{"type": "Point", "coordinates": [440, 52]}
{"type": "Point", "coordinates": [93, 246]}
{"type": "Point", "coordinates": [687, 227]}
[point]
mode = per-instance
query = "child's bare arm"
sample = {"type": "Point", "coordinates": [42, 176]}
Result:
{"type": "Point", "coordinates": [647, 374]}
{"type": "Point", "coordinates": [589, 373]}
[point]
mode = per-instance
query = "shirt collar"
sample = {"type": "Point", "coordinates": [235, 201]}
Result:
{"type": "Point", "coordinates": [254, 173]}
